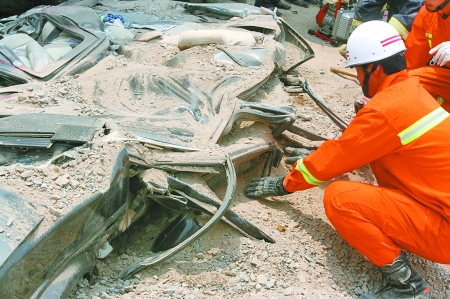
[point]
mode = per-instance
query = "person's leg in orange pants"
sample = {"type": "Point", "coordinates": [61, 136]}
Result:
{"type": "Point", "coordinates": [436, 80]}
{"type": "Point", "coordinates": [378, 222]}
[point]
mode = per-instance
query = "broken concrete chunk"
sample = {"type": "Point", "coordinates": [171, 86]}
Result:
{"type": "Point", "coordinates": [62, 181]}
{"type": "Point", "coordinates": [147, 35]}
{"type": "Point", "coordinates": [155, 179]}
{"type": "Point", "coordinates": [191, 38]}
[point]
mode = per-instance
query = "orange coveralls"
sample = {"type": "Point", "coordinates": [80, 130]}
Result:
{"type": "Point", "coordinates": [429, 29]}
{"type": "Point", "coordinates": [404, 134]}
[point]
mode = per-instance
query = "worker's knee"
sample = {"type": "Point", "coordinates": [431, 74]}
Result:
{"type": "Point", "coordinates": [338, 193]}
{"type": "Point", "coordinates": [329, 195]}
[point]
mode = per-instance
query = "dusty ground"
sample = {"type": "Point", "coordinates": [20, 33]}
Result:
{"type": "Point", "coordinates": [308, 260]}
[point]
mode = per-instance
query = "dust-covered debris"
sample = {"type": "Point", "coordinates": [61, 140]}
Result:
{"type": "Point", "coordinates": [308, 260]}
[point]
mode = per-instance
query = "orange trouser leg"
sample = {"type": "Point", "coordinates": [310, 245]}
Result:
{"type": "Point", "coordinates": [436, 80]}
{"type": "Point", "coordinates": [378, 222]}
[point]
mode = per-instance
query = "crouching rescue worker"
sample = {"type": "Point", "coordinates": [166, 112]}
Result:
{"type": "Point", "coordinates": [402, 132]}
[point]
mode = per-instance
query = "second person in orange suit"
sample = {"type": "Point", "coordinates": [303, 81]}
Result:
{"type": "Point", "coordinates": [428, 54]}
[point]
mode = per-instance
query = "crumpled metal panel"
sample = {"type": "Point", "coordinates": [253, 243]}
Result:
{"type": "Point", "coordinates": [225, 9]}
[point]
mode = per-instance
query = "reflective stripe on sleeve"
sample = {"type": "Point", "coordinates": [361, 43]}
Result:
{"type": "Point", "coordinates": [309, 178]}
{"type": "Point", "coordinates": [399, 27]}
{"type": "Point", "coordinates": [422, 126]}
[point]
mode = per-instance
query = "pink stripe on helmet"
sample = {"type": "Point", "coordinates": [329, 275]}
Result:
{"type": "Point", "coordinates": [391, 40]}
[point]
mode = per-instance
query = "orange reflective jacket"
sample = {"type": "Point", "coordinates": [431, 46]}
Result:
{"type": "Point", "coordinates": [429, 29]}
{"type": "Point", "coordinates": [402, 131]}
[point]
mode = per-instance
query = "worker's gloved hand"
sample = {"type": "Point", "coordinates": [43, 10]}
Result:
{"type": "Point", "coordinates": [267, 186]}
{"type": "Point", "coordinates": [441, 53]}
{"type": "Point", "coordinates": [295, 153]}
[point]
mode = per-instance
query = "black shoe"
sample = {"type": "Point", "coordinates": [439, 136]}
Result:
{"type": "Point", "coordinates": [264, 3]}
{"type": "Point", "coordinates": [403, 282]}
{"type": "Point", "coordinates": [312, 1]}
{"type": "Point", "coordinates": [278, 11]}
{"type": "Point", "coordinates": [281, 5]}
{"type": "Point", "coordinates": [272, 9]}
{"type": "Point", "coordinates": [299, 3]}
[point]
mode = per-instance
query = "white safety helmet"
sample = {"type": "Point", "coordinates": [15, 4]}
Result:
{"type": "Point", "coordinates": [373, 41]}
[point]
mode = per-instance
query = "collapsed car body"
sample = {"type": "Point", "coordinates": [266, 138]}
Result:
{"type": "Point", "coordinates": [167, 131]}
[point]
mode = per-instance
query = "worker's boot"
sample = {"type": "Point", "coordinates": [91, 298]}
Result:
{"type": "Point", "coordinates": [312, 1]}
{"type": "Point", "coordinates": [267, 4]}
{"type": "Point", "coordinates": [280, 5]}
{"type": "Point", "coordinates": [299, 2]}
{"type": "Point", "coordinates": [403, 282]}
{"type": "Point", "coordinates": [264, 3]}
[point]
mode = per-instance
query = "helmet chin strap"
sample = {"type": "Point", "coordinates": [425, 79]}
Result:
{"type": "Point", "coordinates": [440, 7]}
{"type": "Point", "coordinates": [367, 74]}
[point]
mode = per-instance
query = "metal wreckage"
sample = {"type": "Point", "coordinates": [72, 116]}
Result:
{"type": "Point", "coordinates": [157, 158]}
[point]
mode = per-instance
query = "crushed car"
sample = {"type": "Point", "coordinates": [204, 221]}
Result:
{"type": "Point", "coordinates": [161, 126]}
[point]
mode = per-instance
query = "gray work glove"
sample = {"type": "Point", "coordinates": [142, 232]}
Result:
{"type": "Point", "coordinates": [266, 186]}
{"type": "Point", "coordinates": [295, 154]}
